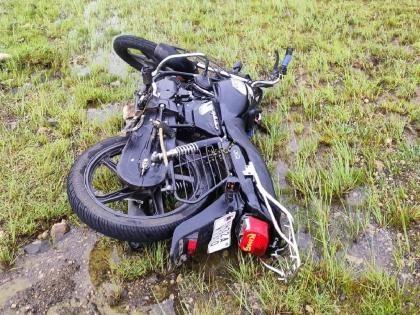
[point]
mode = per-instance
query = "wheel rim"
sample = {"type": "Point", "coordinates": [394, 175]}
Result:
{"type": "Point", "coordinates": [123, 200]}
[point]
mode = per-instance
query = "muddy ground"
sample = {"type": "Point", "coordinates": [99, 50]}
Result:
{"type": "Point", "coordinates": [72, 276]}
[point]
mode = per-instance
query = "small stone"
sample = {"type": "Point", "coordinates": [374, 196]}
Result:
{"type": "Point", "coordinates": [59, 229]}
{"type": "Point", "coordinates": [388, 141]}
{"type": "Point", "coordinates": [190, 300]}
{"type": "Point", "coordinates": [127, 308]}
{"type": "Point", "coordinates": [13, 306]}
{"type": "Point", "coordinates": [115, 84]}
{"type": "Point", "coordinates": [366, 100]}
{"type": "Point", "coordinates": [402, 162]}
{"type": "Point", "coordinates": [172, 281]}
{"type": "Point", "coordinates": [128, 111]}
{"type": "Point", "coordinates": [4, 57]}
{"type": "Point", "coordinates": [35, 247]}
{"type": "Point", "coordinates": [52, 122]}
{"type": "Point", "coordinates": [172, 296]}
{"type": "Point", "coordinates": [179, 278]}
{"type": "Point", "coordinates": [43, 235]}
{"type": "Point", "coordinates": [309, 309]}
{"type": "Point", "coordinates": [146, 298]}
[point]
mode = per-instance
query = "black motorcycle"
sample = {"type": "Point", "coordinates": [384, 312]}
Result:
{"type": "Point", "coordinates": [186, 168]}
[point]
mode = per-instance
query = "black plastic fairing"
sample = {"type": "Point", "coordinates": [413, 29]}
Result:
{"type": "Point", "coordinates": [201, 223]}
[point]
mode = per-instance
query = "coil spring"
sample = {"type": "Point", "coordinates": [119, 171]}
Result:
{"type": "Point", "coordinates": [180, 185]}
{"type": "Point", "coordinates": [187, 148]}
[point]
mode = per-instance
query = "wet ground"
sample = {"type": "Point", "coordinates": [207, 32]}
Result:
{"type": "Point", "coordinates": [73, 276]}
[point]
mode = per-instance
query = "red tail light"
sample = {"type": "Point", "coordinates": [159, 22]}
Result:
{"type": "Point", "coordinates": [253, 235]}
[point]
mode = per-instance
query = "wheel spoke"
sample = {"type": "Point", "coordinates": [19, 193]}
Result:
{"type": "Point", "coordinates": [110, 164]}
{"type": "Point", "coordinates": [116, 195]}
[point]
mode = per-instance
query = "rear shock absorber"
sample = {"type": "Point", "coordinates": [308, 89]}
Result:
{"type": "Point", "coordinates": [189, 148]}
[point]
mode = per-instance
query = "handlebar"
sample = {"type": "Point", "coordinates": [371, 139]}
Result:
{"type": "Point", "coordinates": [286, 60]}
{"type": "Point", "coordinates": [275, 77]}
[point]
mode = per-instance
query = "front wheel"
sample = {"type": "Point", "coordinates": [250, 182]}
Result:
{"type": "Point", "coordinates": [105, 204]}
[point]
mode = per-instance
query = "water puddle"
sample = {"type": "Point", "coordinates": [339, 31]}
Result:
{"type": "Point", "coordinates": [102, 114]}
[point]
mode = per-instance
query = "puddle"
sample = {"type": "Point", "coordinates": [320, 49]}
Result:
{"type": "Point", "coordinates": [282, 169]}
{"type": "Point", "coordinates": [103, 113]}
{"type": "Point", "coordinates": [374, 249]}
{"type": "Point", "coordinates": [110, 61]}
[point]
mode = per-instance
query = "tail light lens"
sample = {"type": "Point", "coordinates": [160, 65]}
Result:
{"type": "Point", "coordinates": [253, 235]}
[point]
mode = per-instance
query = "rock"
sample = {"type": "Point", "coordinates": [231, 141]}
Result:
{"type": "Point", "coordinates": [128, 111]}
{"type": "Point", "coordinates": [366, 100]}
{"type": "Point", "coordinates": [36, 247]}
{"type": "Point", "coordinates": [43, 235]}
{"type": "Point", "coordinates": [4, 57]}
{"type": "Point", "coordinates": [309, 309]}
{"type": "Point", "coordinates": [166, 307]}
{"type": "Point", "coordinates": [52, 122]}
{"type": "Point", "coordinates": [13, 306]}
{"type": "Point", "coordinates": [172, 281]}
{"type": "Point", "coordinates": [115, 84]}
{"type": "Point", "coordinates": [59, 229]}
{"type": "Point", "coordinates": [172, 296]}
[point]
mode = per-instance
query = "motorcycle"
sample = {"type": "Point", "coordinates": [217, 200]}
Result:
{"type": "Point", "coordinates": [185, 167]}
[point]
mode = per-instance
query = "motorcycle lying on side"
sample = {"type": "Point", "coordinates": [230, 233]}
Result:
{"type": "Point", "coordinates": [186, 168]}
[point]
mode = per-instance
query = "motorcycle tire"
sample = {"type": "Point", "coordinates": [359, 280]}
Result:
{"type": "Point", "coordinates": [123, 43]}
{"type": "Point", "coordinates": [120, 225]}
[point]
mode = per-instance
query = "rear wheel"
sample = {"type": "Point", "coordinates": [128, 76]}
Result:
{"type": "Point", "coordinates": [105, 204]}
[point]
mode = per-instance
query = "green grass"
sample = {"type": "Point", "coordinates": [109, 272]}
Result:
{"type": "Point", "coordinates": [350, 102]}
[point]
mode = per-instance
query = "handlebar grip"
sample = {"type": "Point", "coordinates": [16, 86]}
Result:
{"type": "Point", "coordinates": [286, 60]}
